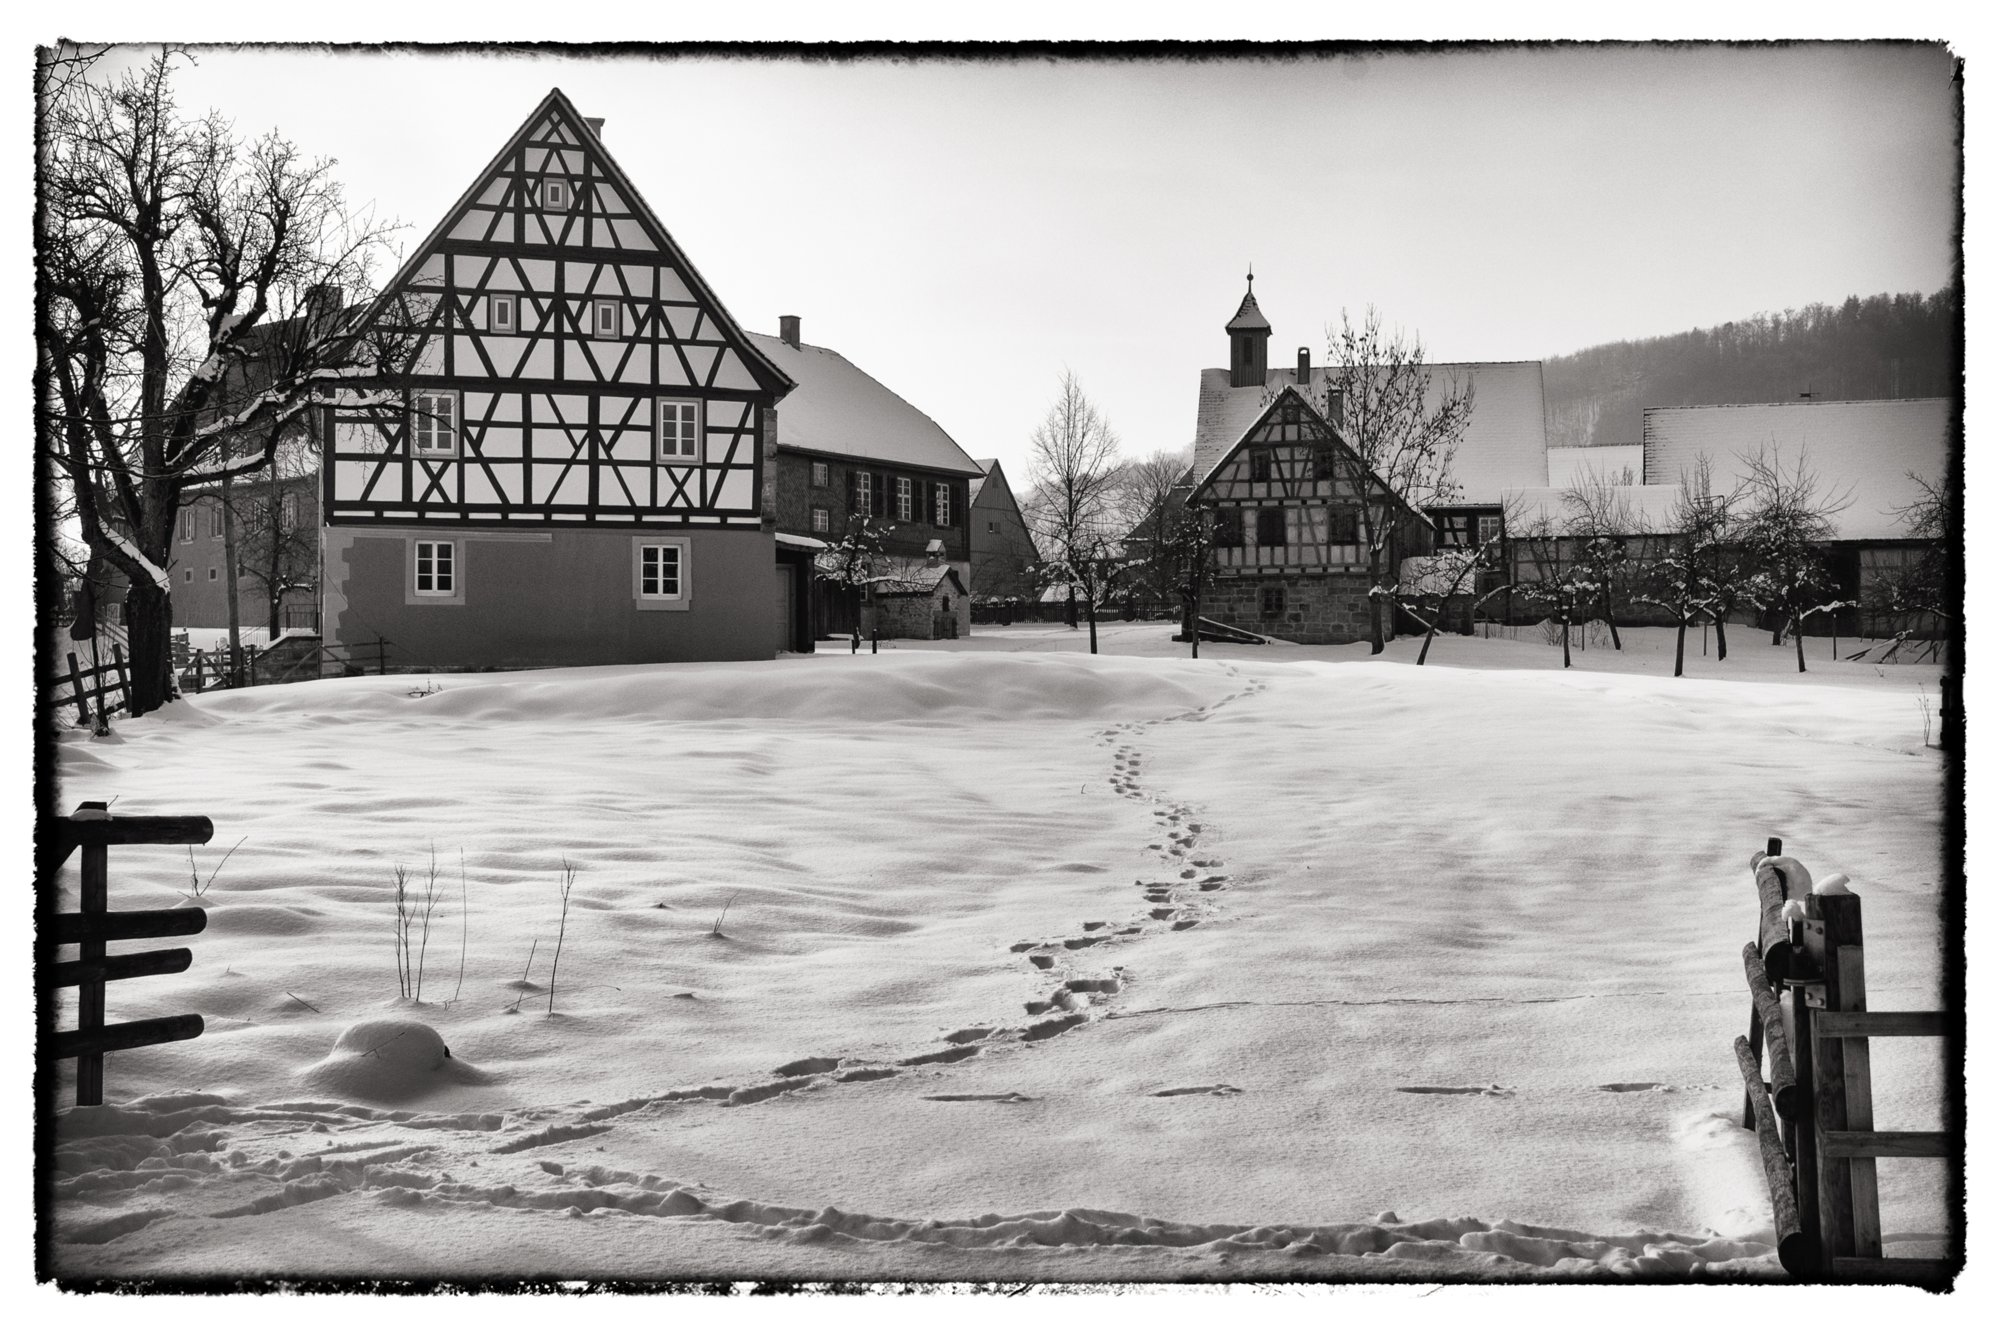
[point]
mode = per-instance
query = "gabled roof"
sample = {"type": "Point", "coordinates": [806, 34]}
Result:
{"type": "Point", "coordinates": [1313, 419]}
{"type": "Point", "coordinates": [1866, 448]}
{"type": "Point", "coordinates": [988, 465]}
{"type": "Point", "coordinates": [768, 374]}
{"type": "Point", "coordinates": [1645, 508]}
{"type": "Point", "coordinates": [840, 410]}
{"type": "Point", "coordinates": [1504, 444]}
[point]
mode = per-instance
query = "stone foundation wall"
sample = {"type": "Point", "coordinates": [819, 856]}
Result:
{"type": "Point", "coordinates": [1320, 609]}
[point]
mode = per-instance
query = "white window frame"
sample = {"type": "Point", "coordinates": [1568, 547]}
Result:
{"type": "Point", "coordinates": [187, 575]}
{"type": "Point", "coordinates": [213, 575]}
{"type": "Point", "coordinates": [187, 526]}
{"type": "Point", "coordinates": [822, 521]}
{"type": "Point", "coordinates": [941, 498]}
{"type": "Point", "coordinates": [600, 306]}
{"type": "Point", "coordinates": [427, 550]}
{"type": "Point", "coordinates": [821, 477]}
{"type": "Point", "coordinates": [864, 489]}
{"type": "Point", "coordinates": [511, 305]}
{"type": "Point", "coordinates": [426, 417]}
{"type": "Point", "coordinates": [673, 407]}
{"type": "Point", "coordinates": [556, 195]}
{"type": "Point", "coordinates": [657, 564]}
{"type": "Point", "coordinates": [683, 595]}
{"type": "Point", "coordinates": [906, 498]}
{"type": "Point", "coordinates": [1485, 527]}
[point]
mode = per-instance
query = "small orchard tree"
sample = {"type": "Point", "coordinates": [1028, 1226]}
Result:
{"type": "Point", "coordinates": [1073, 458]}
{"type": "Point", "coordinates": [276, 533]}
{"type": "Point", "coordinates": [1599, 519]}
{"type": "Point", "coordinates": [1683, 580]}
{"type": "Point", "coordinates": [1560, 585]}
{"type": "Point", "coordinates": [1787, 522]}
{"type": "Point", "coordinates": [1400, 425]}
{"type": "Point", "coordinates": [181, 274]}
{"type": "Point", "coordinates": [1922, 595]}
{"type": "Point", "coordinates": [1443, 576]}
{"type": "Point", "coordinates": [855, 560]}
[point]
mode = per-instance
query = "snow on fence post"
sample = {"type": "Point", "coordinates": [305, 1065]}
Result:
{"type": "Point", "coordinates": [93, 829]}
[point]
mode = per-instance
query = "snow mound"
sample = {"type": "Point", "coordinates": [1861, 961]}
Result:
{"type": "Point", "coordinates": [897, 686]}
{"type": "Point", "coordinates": [389, 1059]}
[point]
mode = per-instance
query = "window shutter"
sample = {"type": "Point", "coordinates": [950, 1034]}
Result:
{"type": "Point", "coordinates": [880, 480]}
{"type": "Point", "coordinates": [937, 518]}
{"type": "Point", "coordinates": [854, 502]}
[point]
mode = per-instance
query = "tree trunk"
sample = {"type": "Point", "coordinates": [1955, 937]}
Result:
{"type": "Point", "coordinates": [1374, 601]}
{"type": "Point", "coordinates": [1721, 637]}
{"type": "Point", "coordinates": [1090, 612]}
{"type": "Point", "coordinates": [1680, 646]}
{"type": "Point", "coordinates": [1799, 640]}
{"type": "Point", "coordinates": [1424, 651]}
{"type": "Point", "coordinates": [1565, 624]}
{"type": "Point", "coordinates": [1069, 615]}
{"type": "Point", "coordinates": [149, 626]}
{"type": "Point", "coordinates": [1609, 620]}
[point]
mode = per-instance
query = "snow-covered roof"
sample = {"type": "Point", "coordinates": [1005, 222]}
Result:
{"type": "Point", "coordinates": [1866, 448]}
{"type": "Point", "coordinates": [1568, 466]}
{"type": "Point", "coordinates": [1504, 443]}
{"type": "Point", "coordinates": [1248, 317]}
{"type": "Point", "coordinates": [986, 465]}
{"type": "Point", "coordinates": [801, 541]}
{"type": "Point", "coordinates": [838, 408]}
{"type": "Point", "coordinates": [1646, 507]}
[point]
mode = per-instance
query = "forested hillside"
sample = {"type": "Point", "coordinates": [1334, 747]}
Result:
{"type": "Point", "coordinates": [1872, 347]}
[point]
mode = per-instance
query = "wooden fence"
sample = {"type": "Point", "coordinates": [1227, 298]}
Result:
{"type": "Point", "coordinates": [1814, 1116]}
{"type": "Point", "coordinates": [104, 687]}
{"type": "Point", "coordinates": [93, 829]}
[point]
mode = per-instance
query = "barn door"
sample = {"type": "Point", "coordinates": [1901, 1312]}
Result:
{"type": "Point", "coordinates": [785, 591]}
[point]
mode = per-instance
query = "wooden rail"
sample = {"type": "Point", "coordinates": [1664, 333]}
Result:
{"type": "Point", "coordinates": [104, 687]}
{"type": "Point", "coordinates": [93, 830]}
{"type": "Point", "coordinates": [1814, 1116]}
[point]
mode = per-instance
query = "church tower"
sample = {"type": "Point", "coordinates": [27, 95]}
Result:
{"type": "Point", "coordinates": [1249, 333]}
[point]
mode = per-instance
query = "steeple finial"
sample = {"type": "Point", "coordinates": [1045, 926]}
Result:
{"type": "Point", "coordinates": [1250, 277]}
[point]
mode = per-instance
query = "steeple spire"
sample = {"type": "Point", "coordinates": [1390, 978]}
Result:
{"type": "Point", "coordinates": [1248, 333]}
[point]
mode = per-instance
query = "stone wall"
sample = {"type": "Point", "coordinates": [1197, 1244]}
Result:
{"type": "Point", "coordinates": [1319, 608]}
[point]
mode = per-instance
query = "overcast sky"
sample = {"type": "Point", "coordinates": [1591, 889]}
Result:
{"type": "Point", "coordinates": [966, 230]}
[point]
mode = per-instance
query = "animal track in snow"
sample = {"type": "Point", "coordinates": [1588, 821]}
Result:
{"type": "Point", "coordinates": [935, 1058]}
{"type": "Point", "coordinates": [1009, 1097]}
{"type": "Point", "coordinates": [1220, 1090]}
{"type": "Point", "coordinates": [1635, 1087]}
{"type": "Point", "coordinates": [1486, 1090]}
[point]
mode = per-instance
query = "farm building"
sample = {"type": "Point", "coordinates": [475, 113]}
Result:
{"type": "Point", "coordinates": [849, 450]}
{"type": "Point", "coordinates": [574, 469]}
{"type": "Point", "coordinates": [1003, 552]}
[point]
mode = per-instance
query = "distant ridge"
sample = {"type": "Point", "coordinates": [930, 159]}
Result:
{"type": "Point", "coordinates": [1872, 347]}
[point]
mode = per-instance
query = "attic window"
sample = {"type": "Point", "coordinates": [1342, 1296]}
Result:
{"type": "Point", "coordinates": [1260, 464]}
{"type": "Point", "coordinates": [555, 194]}
{"type": "Point", "coordinates": [502, 313]}
{"type": "Point", "coordinates": [605, 319]}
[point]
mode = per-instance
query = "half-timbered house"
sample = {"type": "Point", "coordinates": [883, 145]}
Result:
{"type": "Point", "coordinates": [573, 469]}
{"type": "Point", "coordinates": [1291, 533]}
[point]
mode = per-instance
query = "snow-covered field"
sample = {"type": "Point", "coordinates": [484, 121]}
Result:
{"type": "Point", "coordinates": [1034, 965]}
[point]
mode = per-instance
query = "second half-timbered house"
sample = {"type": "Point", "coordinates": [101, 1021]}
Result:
{"type": "Point", "coordinates": [1294, 508]}
{"type": "Point", "coordinates": [574, 468]}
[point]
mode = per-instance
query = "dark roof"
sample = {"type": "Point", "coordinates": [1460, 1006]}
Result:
{"type": "Point", "coordinates": [1248, 317]}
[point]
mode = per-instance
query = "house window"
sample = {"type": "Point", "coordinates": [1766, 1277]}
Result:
{"type": "Point", "coordinates": [501, 313]}
{"type": "Point", "coordinates": [1489, 528]}
{"type": "Point", "coordinates": [1229, 529]}
{"type": "Point", "coordinates": [1454, 530]}
{"type": "Point", "coordinates": [820, 479]}
{"type": "Point", "coordinates": [905, 499]}
{"type": "Point", "coordinates": [680, 429]}
{"type": "Point", "coordinates": [1322, 463]}
{"type": "Point", "coordinates": [187, 527]}
{"type": "Point", "coordinates": [864, 493]}
{"type": "Point", "coordinates": [1346, 525]}
{"type": "Point", "coordinates": [437, 567]}
{"type": "Point", "coordinates": [188, 575]}
{"type": "Point", "coordinates": [215, 522]}
{"type": "Point", "coordinates": [555, 194]}
{"type": "Point", "coordinates": [820, 521]}
{"type": "Point", "coordinates": [1270, 527]}
{"type": "Point", "coordinates": [605, 319]}
{"type": "Point", "coordinates": [660, 572]}
{"type": "Point", "coordinates": [1274, 601]}
{"type": "Point", "coordinates": [288, 508]}
{"type": "Point", "coordinates": [434, 424]}
{"type": "Point", "coordinates": [992, 527]}
{"type": "Point", "coordinates": [211, 574]}
{"type": "Point", "coordinates": [1260, 464]}
{"type": "Point", "coordinates": [941, 502]}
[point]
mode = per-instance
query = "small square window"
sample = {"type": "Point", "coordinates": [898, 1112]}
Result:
{"type": "Point", "coordinates": [1274, 601]}
{"type": "Point", "coordinates": [502, 313]}
{"type": "Point", "coordinates": [992, 527]}
{"type": "Point", "coordinates": [820, 521]}
{"type": "Point", "coordinates": [555, 194]}
{"type": "Point", "coordinates": [606, 319]}
{"type": "Point", "coordinates": [680, 430]}
{"type": "Point", "coordinates": [659, 572]}
{"type": "Point", "coordinates": [211, 574]}
{"type": "Point", "coordinates": [436, 567]}
{"type": "Point", "coordinates": [434, 424]}
{"type": "Point", "coordinates": [819, 475]}
{"type": "Point", "coordinates": [188, 575]}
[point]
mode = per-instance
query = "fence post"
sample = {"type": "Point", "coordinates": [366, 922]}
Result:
{"type": "Point", "coordinates": [381, 656]}
{"type": "Point", "coordinates": [92, 903]}
{"type": "Point", "coordinates": [1849, 1224]}
{"type": "Point", "coordinates": [124, 675]}
{"type": "Point", "coordinates": [76, 686]}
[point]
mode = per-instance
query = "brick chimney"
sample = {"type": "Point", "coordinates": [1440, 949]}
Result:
{"type": "Point", "coordinates": [788, 330]}
{"type": "Point", "coordinates": [596, 123]}
{"type": "Point", "coordinates": [1305, 365]}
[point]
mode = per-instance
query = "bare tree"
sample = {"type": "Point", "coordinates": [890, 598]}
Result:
{"type": "Point", "coordinates": [1685, 579]}
{"type": "Point", "coordinates": [276, 543]}
{"type": "Point", "coordinates": [856, 561]}
{"type": "Point", "coordinates": [1561, 583]}
{"type": "Point", "coordinates": [1922, 596]}
{"type": "Point", "coordinates": [1151, 503]}
{"type": "Point", "coordinates": [1073, 459]}
{"type": "Point", "coordinates": [183, 326]}
{"type": "Point", "coordinates": [1398, 428]}
{"type": "Point", "coordinates": [1600, 518]}
{"type": "Point", "coordinates": [1443, 576]}
{"type": "Point", "coordinates": [1787, 522]}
